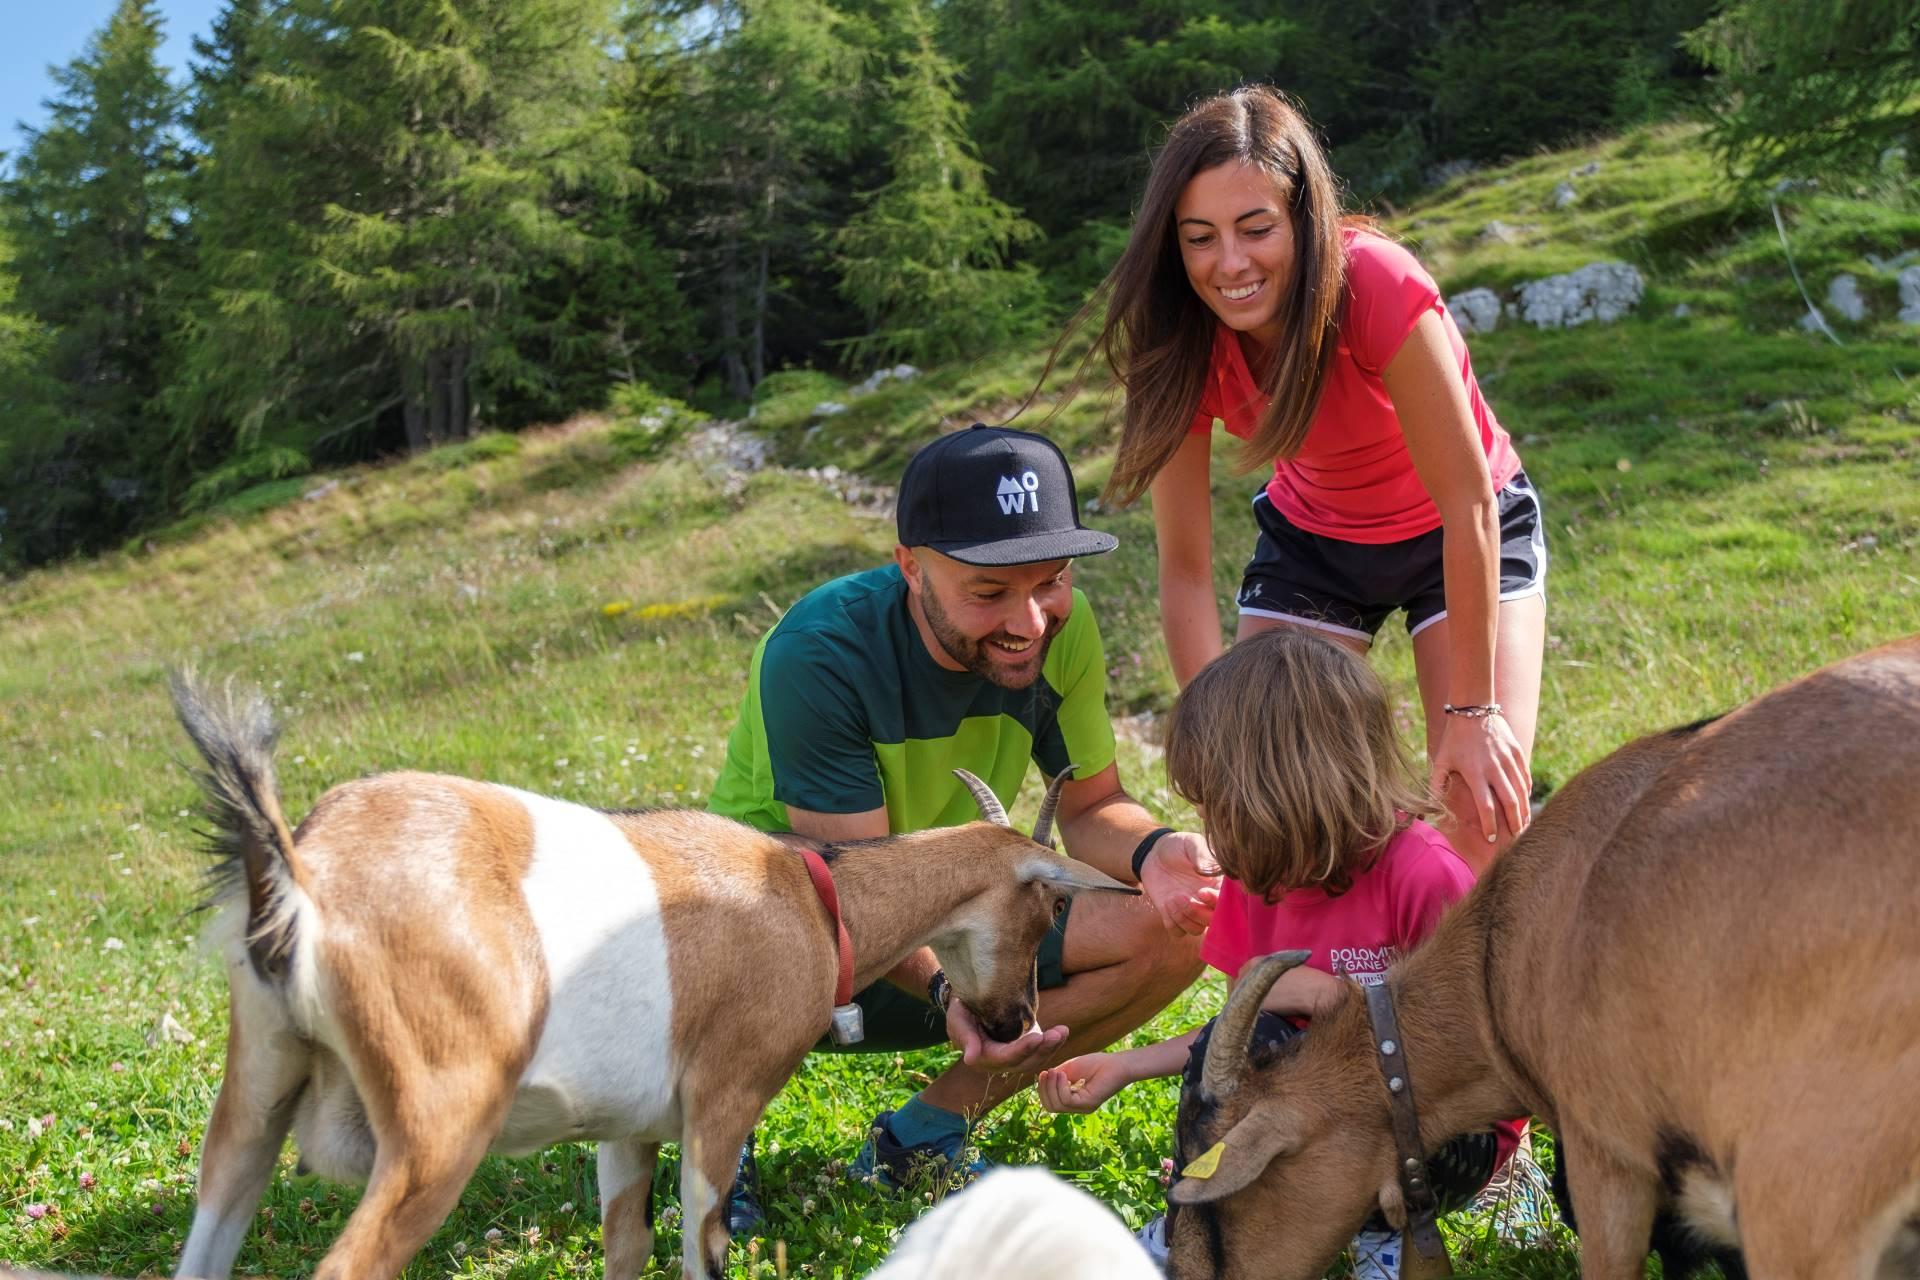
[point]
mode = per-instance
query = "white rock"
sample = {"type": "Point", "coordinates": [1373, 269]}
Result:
{"type": "Point", "coordinates": [1599, 291]}
{"type": "Point", "coordinates": [321, 492]}
{"type": "Point", "coordinates": [1587, 170]}
{"type": "Point", "coordinates": [827, 408]}
{"type": "Point", "coordinates": [899, 373]}
{"type": "Point", "coordinates": [1475, 310]}
{"type": "Point", "coordinates": [1504, 233]}
{"type": "Point", "coordinates": [1843, 295]}
{"type": "Point", "coordinates": [1910, 295]}
{"type": "Point", "coordinates": [1564, 195]}
{"type": "Point", "coordinates": [1681, 311]}
{"type": "Point", "coordinates": [1894, 263]}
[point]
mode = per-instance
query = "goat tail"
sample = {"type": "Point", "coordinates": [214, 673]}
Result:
{"type": "Point", "coordinates": [252, 846]}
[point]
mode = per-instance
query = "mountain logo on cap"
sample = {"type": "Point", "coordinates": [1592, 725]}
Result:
{"type": "Point", "coordinates": [1017, 497]}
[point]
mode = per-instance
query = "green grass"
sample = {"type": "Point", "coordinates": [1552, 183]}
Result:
{"type": "Point", "coordinates": [1730, 503]}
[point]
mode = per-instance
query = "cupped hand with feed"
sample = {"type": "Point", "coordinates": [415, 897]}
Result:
{"type": "Point", "coordinates": [1081, 1084]}
{"type": "Point", "coordinates": [1021, 1056]}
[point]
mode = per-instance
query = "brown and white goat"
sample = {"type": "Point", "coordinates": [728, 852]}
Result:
{"type": "Point", "coordinates": [432, 968]}
{"type": "Point", "coordinates": [1701, 967]}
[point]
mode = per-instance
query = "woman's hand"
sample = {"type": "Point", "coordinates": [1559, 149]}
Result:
{"type": "Point", "coordinates": [1081, 1084]}
{"type": "Point", "coordinates": [1492, 770]}
{"type": "Point", "coordinates": [1182, 881]}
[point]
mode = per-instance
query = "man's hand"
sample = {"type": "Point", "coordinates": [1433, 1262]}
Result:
{"type": "Point", "coordinates": [1020, 1057]}
{"type": "Point", "coordinates": [1181, 879]}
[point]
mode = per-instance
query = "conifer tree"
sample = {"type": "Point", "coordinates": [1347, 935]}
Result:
{"type": "Point", "coordinates": [1811, 88]}
{"type": "Point", "coordinates": [95, 205]}
{"type": "Point", "coordinates": [765, 113]}
{"type": "Point", "coordinates": [380, 275]}
{"type": "Point", "coordinates": [926, 258]}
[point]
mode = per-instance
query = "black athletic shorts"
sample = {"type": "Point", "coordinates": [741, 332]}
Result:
{"type": "Point", "coordinates": [1349, 588]}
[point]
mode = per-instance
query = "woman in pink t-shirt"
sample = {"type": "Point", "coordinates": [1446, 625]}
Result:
{"type": "Point", "coordinates": [1244, 296]}
{"type": "Point", "coordinates": [1320, 841]}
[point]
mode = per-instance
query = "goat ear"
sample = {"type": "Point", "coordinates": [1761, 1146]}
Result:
{"type": "Point", "coordinates": [1262, 1137]}
{"type": "Point", "coordinates": [1068, 876]}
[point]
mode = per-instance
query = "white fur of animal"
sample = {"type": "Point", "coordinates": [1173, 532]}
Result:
{"type": "Point", "coordinates": [1018, 1224]}
{"type": "Point", "coordinates": [432, 968]}
{"type": "Point", "coordinates": [1700, 966]}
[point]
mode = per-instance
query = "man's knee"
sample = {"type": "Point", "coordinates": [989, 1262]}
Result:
{"type": "Point", "coordinates": [1127, 933]}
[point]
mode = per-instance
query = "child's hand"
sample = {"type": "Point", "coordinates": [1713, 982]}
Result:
{"type": "Point", "coordinates": [1081, 1084]}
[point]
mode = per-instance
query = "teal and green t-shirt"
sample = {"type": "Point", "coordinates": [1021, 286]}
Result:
{"type": "Point", "coordinates": [846, 711]}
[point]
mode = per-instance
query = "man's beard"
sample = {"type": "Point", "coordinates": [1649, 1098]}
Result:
{"type": "Point", "coordinates": [974, 655]}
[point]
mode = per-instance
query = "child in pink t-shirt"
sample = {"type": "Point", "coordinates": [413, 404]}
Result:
{"type": "Point", "coordinates": [1287, 746]}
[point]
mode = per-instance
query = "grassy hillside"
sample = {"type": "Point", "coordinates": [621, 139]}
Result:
{"type": "Point", "coordinates": [1731, 502]}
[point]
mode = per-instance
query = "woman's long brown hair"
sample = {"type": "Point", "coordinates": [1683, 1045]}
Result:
{"type": "Point", "coordinates": [1158, 335]}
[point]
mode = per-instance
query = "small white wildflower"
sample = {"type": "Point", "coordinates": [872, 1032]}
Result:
{"type": "Point", "coordinates": [567, 1207]}
{"type": "Point", "coordinates": [113, 944]}
{"type": "Point", "coordinates": [561, 763]}
{"type": "Point", "coordinates": [356, 656]}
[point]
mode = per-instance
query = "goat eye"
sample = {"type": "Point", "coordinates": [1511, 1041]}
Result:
{"type": "Point", "coordinates": [1059, 907]}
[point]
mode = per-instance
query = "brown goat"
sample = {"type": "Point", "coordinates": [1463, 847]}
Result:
{"type": "Point", "coordinates": [432, 968]}
{"type": "Point", "coordinates": [1700, 966]}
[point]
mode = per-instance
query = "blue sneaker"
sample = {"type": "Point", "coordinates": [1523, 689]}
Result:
{"type": "Point", "coordinates": [890, 1163]}
{"type": "Point", "coordinates": [745, 1217]}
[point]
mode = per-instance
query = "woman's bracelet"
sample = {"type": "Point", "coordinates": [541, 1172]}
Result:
{"type": "Point", "coordinates": [1145, 847]}
{"type": "Point", "coordinates": [1479, 711]}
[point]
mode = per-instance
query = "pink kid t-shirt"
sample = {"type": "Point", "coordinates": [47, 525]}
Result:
{"type": "Point", "coordinates": [1352, 478]}
{"type": "Point", "coordinates": [1391, 906]}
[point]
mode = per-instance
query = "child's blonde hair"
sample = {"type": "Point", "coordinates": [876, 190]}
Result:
{"type": "Point", "coordinates": [1286, 745]}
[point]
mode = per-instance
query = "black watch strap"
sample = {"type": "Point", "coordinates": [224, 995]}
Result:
{"type": "Point", "coordinates": [1145, 847]}
{"type": "Point", "coordinates": [939, 990]}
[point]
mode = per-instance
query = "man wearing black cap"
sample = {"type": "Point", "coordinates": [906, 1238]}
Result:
{"type": "Point", "coordinates": [971, 650]}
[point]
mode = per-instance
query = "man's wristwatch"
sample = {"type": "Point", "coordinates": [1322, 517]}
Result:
{"type": "Point", "coordinates": [939, 990]}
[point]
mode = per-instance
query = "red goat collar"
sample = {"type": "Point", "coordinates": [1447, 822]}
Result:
{"type": "Point", "coordinates": [830, 899]}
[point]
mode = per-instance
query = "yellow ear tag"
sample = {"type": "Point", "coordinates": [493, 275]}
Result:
{"type": "Point", "coordinates": [1206, 1164]}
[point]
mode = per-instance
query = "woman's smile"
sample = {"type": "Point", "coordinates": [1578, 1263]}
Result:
{"type": "Point", "coordinates": [1236, 240]}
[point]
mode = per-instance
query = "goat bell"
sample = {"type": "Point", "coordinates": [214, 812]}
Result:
{"type": "Point", "coordinates": [849, 1025]}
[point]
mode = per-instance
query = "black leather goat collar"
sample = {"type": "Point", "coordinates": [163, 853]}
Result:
{"type": "Point", "coordinates": [1409, 1156]}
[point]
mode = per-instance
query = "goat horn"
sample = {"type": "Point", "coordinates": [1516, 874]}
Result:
{"type": "Point", "coordinates": [1230, 1050]}
{"type": "Point", "coordinates": [1043, 824]}
{"type": "Point", "coordinates": [990, 807]}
